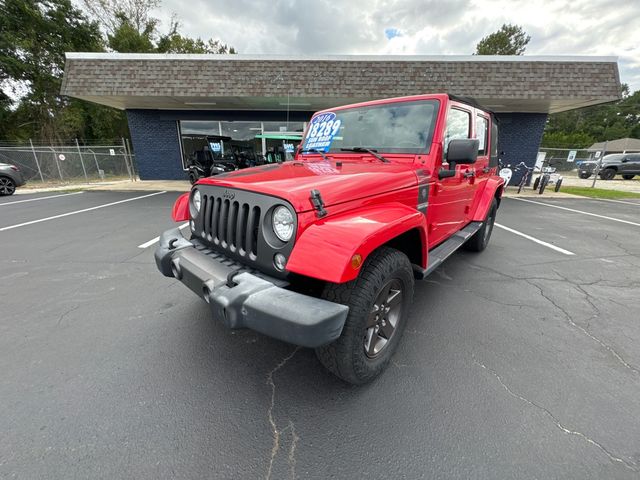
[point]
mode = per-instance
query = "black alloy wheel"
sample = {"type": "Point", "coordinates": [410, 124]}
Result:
{"type": "Point", "coordinates": [7, 186]}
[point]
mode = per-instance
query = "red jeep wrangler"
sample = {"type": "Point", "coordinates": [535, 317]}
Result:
{"type": "Point", "coordinates": [322, 251]}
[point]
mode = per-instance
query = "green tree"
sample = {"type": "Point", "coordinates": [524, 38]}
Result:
{"type": "Point", "coordinates": [34, 36]}
{"type": "Point", "coordinates": [127, 38]}
{"type": "Point", "coordinates": [174, 42]}
{"type": "Point", "coordinates": [581, 128]}
{"type": "Point", "coordinates": [509, 40]}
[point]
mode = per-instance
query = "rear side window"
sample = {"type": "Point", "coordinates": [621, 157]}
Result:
{"type": "Point", "coordinates": [458, 126]}
{"type": "Point", "coordinates": [482, 130]}
{"type": "Point", "coordinates": [493, 159]}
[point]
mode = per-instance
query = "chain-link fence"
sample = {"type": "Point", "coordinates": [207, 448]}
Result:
{"type": "Point", "coordinates": [71, 162]}
{"type": "Point", "coordinates": [564, 159]}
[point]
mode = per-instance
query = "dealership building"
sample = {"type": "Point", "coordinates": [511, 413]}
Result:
{"type": "Point", "coordinates": [255, 107]}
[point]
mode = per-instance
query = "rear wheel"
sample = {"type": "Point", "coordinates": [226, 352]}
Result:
{"type": "Point", "coordinates": [558, 185]}
{"type": "Point", "coordinates": [628, 177]}
{"type": "Point", "coordinates": [521, 184]}
{"type": "Point", "coordinates": [378, 301]}
{"type": "Point", "coordinates": [536, 184]}
{"type": "Point", "coordinates": [7, 186]}
{"type": "Point", "coordinates": [479, 241]}
{"type": "Point", "coordinates": [608, 174]}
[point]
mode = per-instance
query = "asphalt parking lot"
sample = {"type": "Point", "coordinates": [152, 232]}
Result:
{"type": "Point", "coordinates": [520, 362]}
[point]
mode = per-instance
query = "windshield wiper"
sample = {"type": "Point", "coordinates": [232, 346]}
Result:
{"type": "Point", "coordinates": [370, 151]}
{"type": "Point", "coordinates": [315, 150]}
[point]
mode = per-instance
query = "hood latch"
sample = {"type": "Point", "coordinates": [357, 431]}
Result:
{"type": "Point", "coordinates": [318, 204]}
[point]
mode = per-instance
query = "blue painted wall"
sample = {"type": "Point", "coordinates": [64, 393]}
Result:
{"type": "Point", "coordinates": [520, 137]}
{"type": "Point", "coordinates": [154, 134]}
{"type": "Point", "coordinates": [155, 143]}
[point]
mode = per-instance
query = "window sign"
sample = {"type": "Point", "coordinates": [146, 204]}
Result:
{"type": "Point", "coordinates": [215, 147]}
{"type": "Point", "coordinates": [289, 148]}
{"type": "Point", "coordinates": [322, 129]}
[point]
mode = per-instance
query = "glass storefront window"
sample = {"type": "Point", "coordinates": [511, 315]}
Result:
{"type": "Point", "coordinates": [244, 143]}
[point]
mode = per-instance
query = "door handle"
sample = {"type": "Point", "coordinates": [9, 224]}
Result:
{"type": "Point", "coordinates": [469, 174]}
{"type": "Point", "coordinates": [486, 170]}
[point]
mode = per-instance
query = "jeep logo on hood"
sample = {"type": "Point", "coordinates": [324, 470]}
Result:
{"type": "Point", "coordinates": [228, 195]}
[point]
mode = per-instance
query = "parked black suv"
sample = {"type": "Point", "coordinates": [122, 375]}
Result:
{"type": "Point", "coordinates": [625, 164]}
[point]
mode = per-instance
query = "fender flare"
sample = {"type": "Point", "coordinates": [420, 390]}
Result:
{"type": "Point", "coordinates": [324, 249]}
{"type": "Point", "coordinates": [180, 211]}
{"type": "Point", "coordinates": [492, 188]}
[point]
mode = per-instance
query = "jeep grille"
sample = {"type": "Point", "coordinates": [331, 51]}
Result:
{"type": "Point", "coordinates": [231, 224]}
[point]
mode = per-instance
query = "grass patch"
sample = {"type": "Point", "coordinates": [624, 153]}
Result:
{"type": "Point", "coordinates": [598, 192]}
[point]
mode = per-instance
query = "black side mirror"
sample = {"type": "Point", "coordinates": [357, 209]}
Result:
{"type": "Point", "coordinates": [462, 151]}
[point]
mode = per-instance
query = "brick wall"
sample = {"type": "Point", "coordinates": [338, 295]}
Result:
{"type": "Point", "coordinates": [156, 146]}
{"type": "Point", "coordinates": [520, 136]}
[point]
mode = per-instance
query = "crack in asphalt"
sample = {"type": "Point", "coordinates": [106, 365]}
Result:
{"type": "Point", "coordinates": [274, 427]}
{"type": "Point", "coordinates": [62, 317]}
{"type": "Point", "coordinates": [571, 322]}
{"type": "Point", "coordinates": [628, 464]}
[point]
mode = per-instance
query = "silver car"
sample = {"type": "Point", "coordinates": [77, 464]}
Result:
{"type": "Point", "coordinates": [10, 178]}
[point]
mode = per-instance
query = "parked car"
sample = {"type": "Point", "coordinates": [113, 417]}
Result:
{"type": "Point", "coordinates": [625, 164]}
{"type": "Point", "coordinates": [323, 251]}
{"type": "Point", "coordinates": [10, 178]}
{"type": "Point", "coordinates": [202, 164]}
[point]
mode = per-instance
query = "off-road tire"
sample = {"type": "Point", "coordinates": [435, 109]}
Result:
{"type": "Point", "coordinates": [193, 177]}
{"type": "Point", "coordinates": [7, 186]}
{"type": "Point", "coordinates": [558, 185]}
{"type": "Point", "coordinates": [628, 177]}
{"type": "Point", "coordinates": [346, 357]}
{"type": "Point", "coordinates": [584, 176]}
{"type": "Point", "coordinates": [608, 174]}
{"type": "Point", "coordinates": [479, 241]}
{"type": "Point", "coordinates": [536, 184]}
{"type": "Point", "coordinates": [543, 184]}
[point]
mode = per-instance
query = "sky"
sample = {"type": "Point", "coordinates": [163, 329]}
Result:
{"type": "Point", "coordinates": [414, 27]}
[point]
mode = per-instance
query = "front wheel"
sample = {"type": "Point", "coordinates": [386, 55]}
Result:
{"type": "Point", "coordinates": [543, 184]}
{"type": "Point", "coordinates": [521, 185]}
{"type": "Point", "coordinates": [7, 186]}
{"type": "Point", "coordinates": [378, 301]}
{"type": "Point", "coordinates": [536, 184]}
{"type": "Point", "coordinates": [479, 241]}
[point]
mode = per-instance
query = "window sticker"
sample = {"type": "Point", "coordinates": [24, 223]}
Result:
{"type": "Point", "coordinates": [215, 146]}
{"type": "Point", "coordinates": [322, 129]}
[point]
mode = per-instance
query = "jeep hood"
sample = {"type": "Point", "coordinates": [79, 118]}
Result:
{"type": "Point", "coordinates": [337, 182]}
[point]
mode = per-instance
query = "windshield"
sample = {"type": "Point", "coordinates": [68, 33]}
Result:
{"type": "Point", "coordinates": [401, 127]}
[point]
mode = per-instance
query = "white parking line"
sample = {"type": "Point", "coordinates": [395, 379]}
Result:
{"type": "Point", "coordinates": [578, 211]}
{"type": "Point", "coordinates": [616, 201]}
{"type": "Point", "coordinates": [533, 239]}
{"type": "Point", "coordinates": [40, 198]}
{"type": "Point", "coordinates": [155, 240]}
{"type": "Point", "coordinates": [79, 211]}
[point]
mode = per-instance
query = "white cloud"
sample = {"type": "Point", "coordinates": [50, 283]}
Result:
{"type": "Point", "coordinates": [580, 27]}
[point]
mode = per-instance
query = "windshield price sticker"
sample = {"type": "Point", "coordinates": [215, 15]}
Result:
{"type": "Point", "coordinates": [322, 129]}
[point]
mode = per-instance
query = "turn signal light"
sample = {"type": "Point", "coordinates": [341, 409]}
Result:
{"type": "Point", "coordinates": [356, 261]}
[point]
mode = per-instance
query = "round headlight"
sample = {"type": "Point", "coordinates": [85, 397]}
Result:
{"type": "Point", "coordinates": [196, 201]}
{"type": "Point", "coordinates": [283, 223]}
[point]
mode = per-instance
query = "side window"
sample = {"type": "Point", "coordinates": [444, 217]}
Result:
{"type": "Point", "coordinates": [482, 129]}
{"type": "Point", "coordinates": [493, 160]}
{"type": "Point", "coordinates": [458, 126]}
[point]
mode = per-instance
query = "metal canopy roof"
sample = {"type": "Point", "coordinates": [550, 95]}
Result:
{"type": "Point", "coordinates": [542, 84]}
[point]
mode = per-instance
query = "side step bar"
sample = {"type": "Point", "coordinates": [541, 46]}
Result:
{"type": "Point", "coordinates": [443, 251]}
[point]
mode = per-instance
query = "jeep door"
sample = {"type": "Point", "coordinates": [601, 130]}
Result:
{"type": "Point", "coordinates": [450, 203]}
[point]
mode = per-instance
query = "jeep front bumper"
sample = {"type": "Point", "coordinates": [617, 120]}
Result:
{"type": "Point", "coordinates": [243, 300]}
